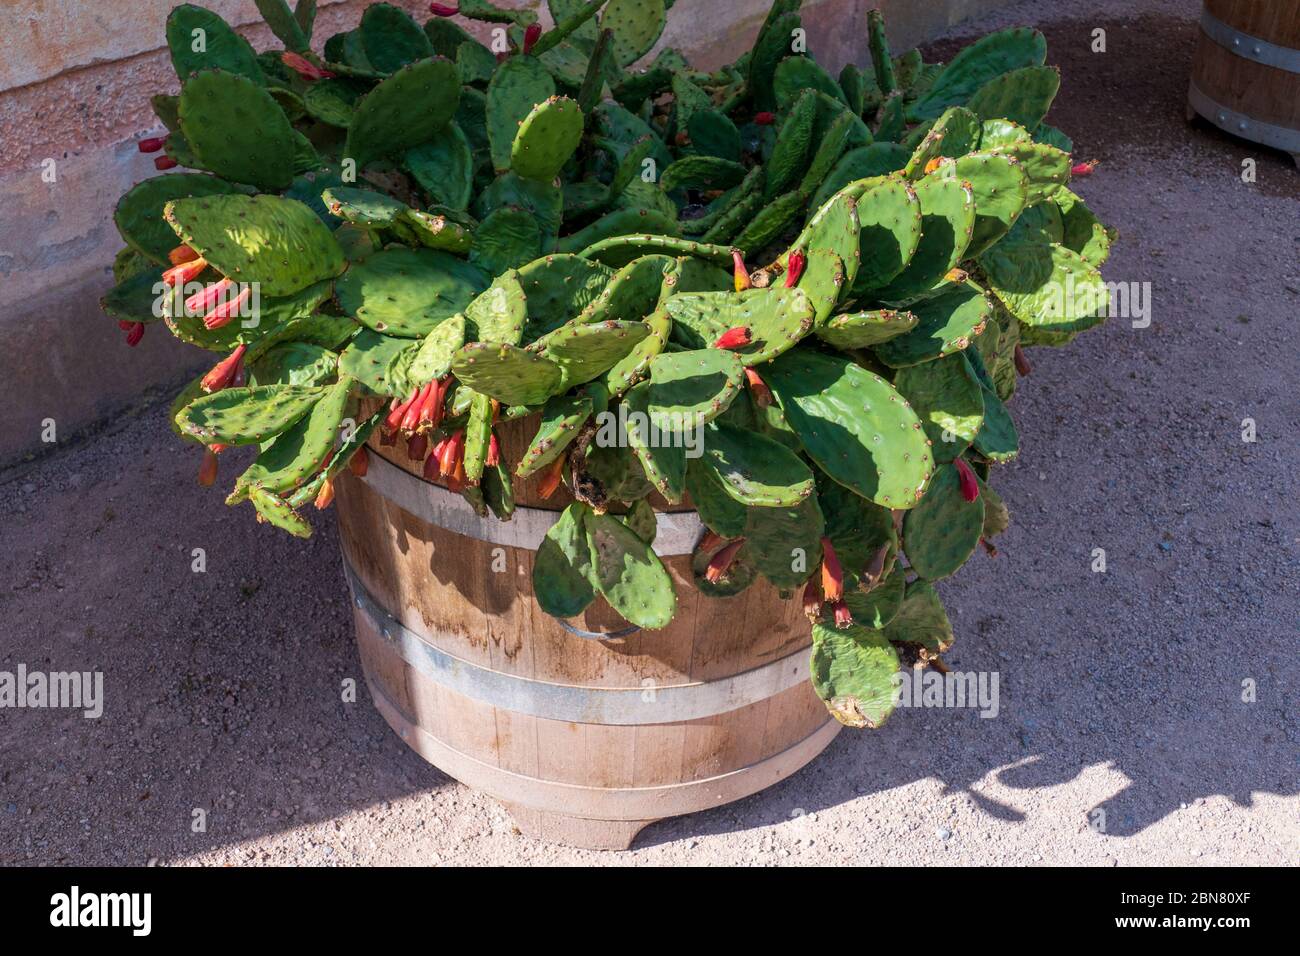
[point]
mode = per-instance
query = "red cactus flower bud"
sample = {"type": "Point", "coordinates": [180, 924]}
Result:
{"type": "Point", "coordinates": [226, 311]}
{"type": "Point", "coordinates": [125, 324]}
{"type": "Point", "coordinates": [218, 448]}
{"type": "Point", "coordinates": [682, 138]}
{"type": "Point", "coordinates": [135, 334]}
{"type": "Point", "coordinates": [325, 496]}
{"type": "Point", "coordinates": [758, 389]}
{"type": "Point", "coordinates": [184, 273]}
{"type": "Point", "coordinates": [431, 409]}
{"type": "Point", "coordinates": [305, 68]}
{"type": "Point", "coordinates": [1023, 367]}
{"type": "Point", "coordinates": [721, 562]}
{"type": "Point", "coordinates": [387, 438]}
{"type": "Point", "coordinates": [843, 616]}
{"type": "Point", "coordinates": [733, 338]}
{"type": "Point", "coordinates": [411, 420]}
{"type": "Point", "coordinates": [203, 300]}
{"type": "Point", "coordinates": [181, 255]}
{"type": "Point", "coordinates": [812, 600]}
{"type": "Point", "coordinates": [359, 463]}
{"type": "Point", "coordinates": [452, 453]}
{"type": "Point", "coordinates": [832, 573]}
{"type": "Point", "coordinates": [532, 33]}
{"type": "Point", "coordinates": [430, 470]}
{"type": "Point", "coordinates": [710, 542]}
{"type": "Point", "coordinates": [458, 481]}
{"type": "Point", "coordinates": [764, 118]}
{"type": "Point", "coordinates": [163, 163]}
{"type": "Point", "coordinates": [494, 452]}
{"type": "Point", "coordinates": [208, 468]}
{"type": "Point", "coordinates": [151, 144]}
{"type": "Point", "coordinates": [970, 486]}
{"type": "Point", "coordinates": [223, 373]}
{"type": "Point", "coordinates": [551, 478]}
{"type": "Point", "coordinates": [741, 273]}
{"type": "Point", "coordinates": [396, 411]}
{"type": "Point", "coordinates": [443, 10]}
{"type": "Point", "coordinates": [417, 446]}
{"type": "Point", "coordinates": [1083, 169]}
{"type": "Point", "coordinates": [794, 268]}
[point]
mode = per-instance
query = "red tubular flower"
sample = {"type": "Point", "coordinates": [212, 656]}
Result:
{"type": "Point", "coordinates": [812, 600]}
{"type": "Point", "coordinates": [758, 389]}
{"type": "Point", "coordinates": [134, 334]}
{"type": "Point", "coordinates": [970, 486]}
{"type": "Point", "coordinates": [532, 33]}
{"type": "Point", "coordinates": [1083, 169]}
{"type": "Point", "coordinates": [151, 144]}
{"type": "Point", "coordinates": [494, 452]}
{"type": "Point", "coordinates": [452, 454]}
{"type": "Point", "coordinates": [228, 310]}
{"type": "Point", "coordinates": [203, 301]}
{"type": "Point", "coordinates": [184, 273]}
{"type": "Point", "coordinates": [721, 562]}
{"type": "Point", "coordinates": [224, 372]}
{"type": "Point", "coordinates": [305, 68]}
{"type": "Point", "coordinates": [411, 420]}
{"type": "Point", "coordinates": [794, 268]}
{"type": "Point", "coordinates": [181, 255]}
{"type": "Point", "coordinates": [208, 468]}
{"type": "Point", "coordinates": [125, 325]}
{"type": "Point", "coordinates": [551, 478]}
{"type": "Point", "coordinates": [1023, 367]}
{"type": "Point", "coordinates": [832, 573]}
{"type": "Point", "coordinates": [218, 448]}
{"type": "Point", "coordinates": [359, 463]}
{"type": "Point", "coordinates": [325, 496]}
{"type": "Point", "coordinates": [396, 411]}
{"type": "Point", "coordinates": [417, 446]}
{"type": "Point", "coordinates": [430, 470]}
{"type": "Point", "coordinates": [733, 338]}
{"type": "Point", "coordinates": [843, 616]}
{"type": "Point", "coordinates": [163, 163]}
{"type": "Point", "coordinates": [764, 118]}
{"type": "Point", "coordinates": [741, 273]}
{"type": "Point", "coordinates": [443, 10]}
{"type": "Point", "coordinates": [431, 409]}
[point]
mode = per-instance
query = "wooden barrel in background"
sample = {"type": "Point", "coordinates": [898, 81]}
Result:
{"type": "Point", "coordinates": [585, 740]}
{"type": "Point", "coordinates": [1246, 72]}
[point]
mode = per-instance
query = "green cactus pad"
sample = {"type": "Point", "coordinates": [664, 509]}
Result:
{"type": "Point", "coordinates": [947, 222]}
{"type": "Point", "coordinates": [246, 416]}
{"type": "Point", "coordinates": [795, 74]}
{"type": "Point", "coordinates": [587, 350]}
{"type": "Point", "coordinates": [856, 527]}
{"type": "Point", "coordinates": [636, 25]}
{"type": "Point", "coordinates": [772, 46]}
{"type": "Point", "coordinates": [876, 607]}
{"type": "Point", "coordinates": [1023, 96]}
{"type": "Point", "coordinates": [834, 228]}
{"type": "Point", "coordinates": [719, 511]}
{"type": "Point", "coordinates": [702, 172]}
{"type": "Point", "coordinates": [984, 60]}
{"type": "Point", "coordinates": [755, 470]}
{"type": "Point", "coordinates": [955, 133]}
{"type": "Point", "coordinates": [1000, 132]}
{"type": "Point", "coordinates": [445, 233]}
{"type": "Point", "coordinates": [406, 292]}
{"type": "Point", "coordinates": [294, 363]}
{"type": "Point", "coordinates": [276, 511]}
{"type": "Point", "coordinates": [518, 85]}
{"type": "Point", "coordinates": [563, 581]}
{"type": "Point", "coordinates": [618, 251]}
{"type": "Point", "coordinates": [222, 47]}
{"type": "Point", "coordinates": [948, 399]}
{"type": "Point", "coordinates": [771, 220]}
{"type": "Point", "coordinates": [508, 373]}
{"type": "Point", "coordinates": [946, 323]}
{"type": "Point", "coordinates": [688, 389]}
{"type": "Point", "coordinates": [793, 141]}
{"type": "Point", "coordinates": [1046, 168]}
{"type": "Point", "coordinates": [444, 167]}
{"type": "Point", "coordinates": [662, 455]}
{"type": "Point", "coordinates": [845, 131]}
{"type": "Point", "coordinates": [138, 298]}
{"type": "Point", "coordinates": [237, 130]}
{"type": "Point", "coordinates": [853, 671]}
{"type": "Point", "coordinates": [562, 419]}
{"type": "Point", "coordinates": [889, 231]}
{"type": "Point", "coordinates": [391, 39]}
{"type": "Point", "coordinates": [379, 362]}
{"type": "Point", "coordinates": [279, 243]}
{"type": "Point", "coordinates": [619, 223]}
{"type": "Point", "coordinates": [363, 206]}
{"type": "Point", "coordinates": [634, 365]}
{"type": "Point", "coordinates": [740, 574]}
{"type": "Point", "coordinates": [628, 573]}
{"type": "Point", "coordinates": [409, 108]}
{"type": "Point", "coordinates": [1045, 285]}
{"type": "Point", "coordinates": [499, 313]}
{"type": "Point", "coordinates": [777, 319]}
{"type": "Point", "coordinates": [546, 138]}
{"type": "Point", "coordinates": [1001, 193]}
{"type": "Point", "coordinates": [857, 330]}
{"type": "Point", "coordinates": [854, 425]}
{"type": "Point", "coordinates": [478, 436]}
{"type": "Point", "coordinates": [714, 134]}
{"type": "Point", "coordinates": [295, 455]}
{"type": "Point", "coordinates": [997, 439]}
{"type": "Point", "coordinates": [784, 542]}
{"type": "Point", "coordinates": [557, 288]}
{"type": "Point", "coordinates": [921, 620]}
{"type": "Point", "coordinates": [944, 529]}
{"type": "Point", "coordinates": [507, 238]}
{"type": "Point", "coordinates": [1081, 230]}
{"type": "Point", "coordinates": [433, 358]}
{"type": "Point", "coordinates": [633, 292]}
{"type": "Point", "coordinates": [544, 201]}
{"type": "Point", "coordinates": [139, 213]}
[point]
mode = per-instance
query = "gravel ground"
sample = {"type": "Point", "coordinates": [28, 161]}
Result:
{"type": "Point", "coordinates": [1120, 691]}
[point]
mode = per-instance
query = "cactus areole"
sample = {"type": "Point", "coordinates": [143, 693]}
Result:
{"type": "Point", "coordinates": [806, 298]}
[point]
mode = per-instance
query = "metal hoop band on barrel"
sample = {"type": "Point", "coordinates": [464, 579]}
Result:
{"type": "Point", "coordinates": [1249, 47]}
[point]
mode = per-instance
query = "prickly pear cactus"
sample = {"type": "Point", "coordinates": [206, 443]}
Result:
{"type": "Point", "coordinates": [798, 300]}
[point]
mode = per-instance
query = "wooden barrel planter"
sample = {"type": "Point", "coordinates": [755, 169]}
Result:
{"type": "Point", "coordinates": [1246, 72]}
{"type": "Point", "coordinates": [588, 729]}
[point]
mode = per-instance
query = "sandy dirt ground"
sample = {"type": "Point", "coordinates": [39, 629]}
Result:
{"type": "Point", "coordinates": [1121, 691]}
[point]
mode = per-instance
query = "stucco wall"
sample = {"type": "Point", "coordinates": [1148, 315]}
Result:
{"type": "Point", "coordinates": [75, 81]}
